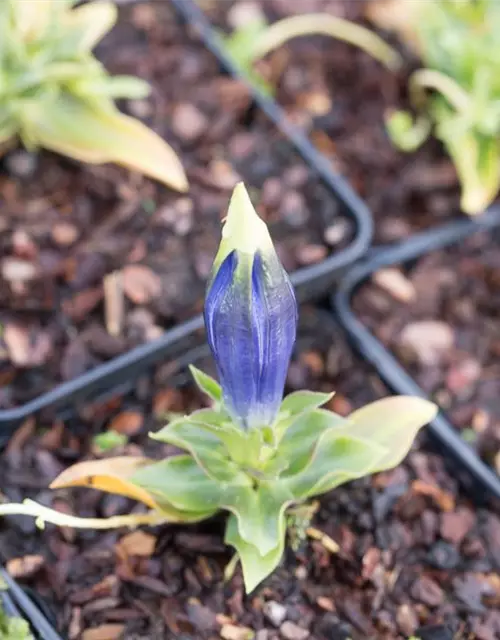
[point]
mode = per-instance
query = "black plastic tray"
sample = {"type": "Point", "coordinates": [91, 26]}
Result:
{"type": "Point", "coordinates": [310, 282]}
{"type": "Point", "coordinates": [387, 366]}
{"type": "Point", "coordinates": [17, 603]}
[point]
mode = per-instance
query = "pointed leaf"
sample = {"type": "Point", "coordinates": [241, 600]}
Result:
{"type": "Point", "coordinates": [256, 567]}
{"type": "Point", "coordinates": [110, 87]}
{"type": "Point", "coordinates": [338, 458]}
{"type": "Point", "coordinates": [217, 424]}
{"type": "Point", "coordinates": [181, 482]}
{"type": "Point", "coordinates": [393, 424]}
{"type": "Point", "coordinates": [207, 384]}
{"type": "Point", "coordinates": [204, 445]}
{"type": "Point", "coordinates": [86, 25]}
{"type": "Point", "coordinates": [304, 400]}
{"type": "Point", "coordinates": [76, 129]}
{"type": "Point", "coordinates": [302, 438]}
{"type": "Point", "coordinates": [110, 475]}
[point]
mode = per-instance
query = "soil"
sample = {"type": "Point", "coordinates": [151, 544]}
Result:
{"type": "Point", "coordinates": [339, 96]}
{"type": "Point", "coordinates": [441, 317]}
{"type": "Point", "coordinates": [416, 555]}
{"type": "Point", "coordinates": [65, 228]}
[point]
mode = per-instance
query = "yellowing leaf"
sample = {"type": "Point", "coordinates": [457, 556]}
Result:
{"type": "Point", "coordinates": [89, 23]}
{"type": "Point", "coordinates": [74, 128]}
{"type": "Point", "coordinates": [110, 475]}
{"type": "Point", "coordinates": [391, 423]}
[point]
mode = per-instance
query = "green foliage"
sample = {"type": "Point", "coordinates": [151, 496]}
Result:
{"type": "Point", "coordinates": [109, 440]}
{"type": "Point", "coordinates": [254, 475]}
{"type": "Point", "coordinates": [12, 628]}
{"type": "Point", "coordinates": [55, 94]}
{"type": "Point", "coordinates": [459, 47]}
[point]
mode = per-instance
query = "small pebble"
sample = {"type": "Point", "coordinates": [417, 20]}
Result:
{"type": "Point", "coordinates": [65, 233]}
{"type": "Point", "coordinates": [291, 631]}
{"type": "Point", "coordinates": [21, 164]}
{"type": "Point", "coordinates": [311, 253]}
{"type": "Point", "coordinates": [275, 612]}
{"type": "Point", "coordinates": [188, 122]}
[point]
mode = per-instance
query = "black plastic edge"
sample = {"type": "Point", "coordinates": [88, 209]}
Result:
{"type": "Point", "coordinates": [387, 366]}
{"type": "Point", "coordinates": [354, 206]}
{"type": "Point", "coordinates": [18, 604]}
{"type": "Point", "coordinates": [120, 370]}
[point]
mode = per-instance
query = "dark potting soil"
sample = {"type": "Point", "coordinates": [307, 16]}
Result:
{"type": "Point", "coordinates": [441, 317]}
{"type": "Point", "coordinates": [416, 556]}
{"type": "Point", "coordinates": [65, 227]}
{"type": "Point", "coordinates": [339, 96]}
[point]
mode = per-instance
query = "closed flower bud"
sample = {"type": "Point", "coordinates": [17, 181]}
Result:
{"type": "Point", "coordinates": [250, 316]}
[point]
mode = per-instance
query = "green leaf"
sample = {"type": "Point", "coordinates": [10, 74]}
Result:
{"type": "Point", "coordinates": [300, 401]}
{"type": "Point", "coordinates": [338, 458]}
{"type": "Point", "coordinates": [256, 567]}
{"type": "Point", "coordinates": [181, 482]}
{"type": "Point", "coordinates": [204, 444]}
{"type": "Point", "coordinates": [391, 423]}
{"type": "Point", "coordinates": [324, 24]}
{"type": "Point", "coordinates": [477, 161]}
{"type": "Point", "coordinates": [239, 45]}
{"type": "Point", "coordinates": [302, 438]}
{"type": "Point", "coordinates": [109, 440]}
{"type": "Point", "coordinates": [239, 445]}
{"type": "Point", "coordinates": [405, 133]}
{"type": "Point", "coordinates": [206, 384]}
{"type": "Point", "coordinates": [259, 513]}
{"type": "Point", "coordinates": [76, 129]}
{"type": "Point", "coordinates": [110, 87]}
{"type": "Point", "coordinates": [86, 25]}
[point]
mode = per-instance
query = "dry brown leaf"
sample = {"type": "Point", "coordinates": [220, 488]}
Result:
{"type": "Point", "coordinates": [109, 475]}
{"type": "Point", "coordinates": [140, 283]}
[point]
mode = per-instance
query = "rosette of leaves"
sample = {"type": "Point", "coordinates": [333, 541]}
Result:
{"type": "Point", "coordinates": [457, 92]}
{"type": "Point", "coordinates": [55, 94]}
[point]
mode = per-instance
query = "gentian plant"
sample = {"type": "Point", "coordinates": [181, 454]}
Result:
{"type": "Point", "coordinates": [456, 93]}
{"type": "Point", "coordinates": [255, 38]}
{"type": "Point", "coordinates": [251, 453]}
{"type": "Point", "coordinates": [55, 94]}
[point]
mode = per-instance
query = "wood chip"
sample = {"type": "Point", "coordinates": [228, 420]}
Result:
{"type": "Point", "coordinates": [442, 498]}
{"type": "Point", "coordinates": [128, 423]}
{"type": "Point", "coordinates": [232, 632]}
{"type": "Point", "coordinates": [25, 566]}
{"type": "Point", "coordinates": [137, 543]}
{"type": "Point", "coordinates": [140, 283]}
{"type": "Point", "coordinates": [396, 284]}
{"type": "Point", "coordinates": [105, 632]}
{"type": "Point", "coordinates": [114, 303]}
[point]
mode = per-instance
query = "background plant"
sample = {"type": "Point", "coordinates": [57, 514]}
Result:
{"type": "Point", "coordinates": [457, 93]}
{"type": "Point", "coordinates": [55, 94]}
{"type": "Point", "coordinates": [252, 453]}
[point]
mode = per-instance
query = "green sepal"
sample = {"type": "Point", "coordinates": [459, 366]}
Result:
{"type": "Point", "coordinates": [206, 384]}
{"type": "Point", "coordinates": [304, 400]}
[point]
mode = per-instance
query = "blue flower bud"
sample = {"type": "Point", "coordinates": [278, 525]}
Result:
{"type": "Point", "coordinates": [250, 316]}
